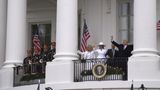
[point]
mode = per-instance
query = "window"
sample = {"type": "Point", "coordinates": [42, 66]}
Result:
{"type": "Point", "coordinates": [43, 31]}
{"type": "Point", "coordinates": [125, 13]}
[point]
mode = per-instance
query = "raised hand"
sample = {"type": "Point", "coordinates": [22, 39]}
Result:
{"type": "Point", "coordinates": [111, 38]}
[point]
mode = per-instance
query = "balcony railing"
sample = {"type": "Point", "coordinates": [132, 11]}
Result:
{"type": "Point", "coordinates": [29, 74]}
{"type": "Point", "coordinates": [100, 69]}
{"type": "Point", "coordinates": [84, 70]}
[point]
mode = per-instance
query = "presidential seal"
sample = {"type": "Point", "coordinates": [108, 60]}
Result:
{"type": "Point", "coordinates": [99, 70]}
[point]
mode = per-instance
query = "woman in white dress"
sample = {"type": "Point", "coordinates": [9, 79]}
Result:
{"type": "Point", "coordinates": [89, 57]}
{"type": "Point", "coordinates": [101, 51]}
{"type": "Point", "coordinates": [88, 54]}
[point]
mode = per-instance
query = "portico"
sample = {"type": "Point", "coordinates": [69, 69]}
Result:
{"type": "Point", "coordinates": [143, 65]}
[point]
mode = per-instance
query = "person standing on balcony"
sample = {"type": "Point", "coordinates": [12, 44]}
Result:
{"type": "Point", "coordinates": [45, 57]}
{"type": "Point", "coordinates": [101, 51]}
{"type": "Point", "coordinates": [124, 52]}
{"type": "Point", "coordinates": [27, 62]}
{"type": "Point", "coordinates": [37, 59]}
{"type": "Point", "coordinates": [88, 54]}
{"type": "Point", "coordinates": [124, 49]}
{"type": "Point", "coordinates": [88, 57]}
{"type": "Point", "coordinates": [46, 53]}
{"type": "Point", "coordinates": [112, 53]}
{"type": "Point", "coordinates": [52, 51]}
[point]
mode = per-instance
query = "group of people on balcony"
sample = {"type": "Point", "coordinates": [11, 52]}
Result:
{"type": "Point", "coordinates": [36, 62]}
{"type": "Point", "coordinates": [116, 50]}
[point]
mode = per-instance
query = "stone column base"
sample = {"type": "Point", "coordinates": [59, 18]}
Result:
{"type": "Point", "coordinates": [59, 71]}
{"type": "Point", "coordinates": [6, 78]}
{"type": "Point", "coordinates": [144, 68]}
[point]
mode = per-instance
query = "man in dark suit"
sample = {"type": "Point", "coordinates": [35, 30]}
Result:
{"type": "Point", "coordinates": [27, 62]}
{"type": "Point", "coordinates": [124, 52]}
{"type": "Point", "coordinates": [112, 53]}
{"type": "Point", "coordinates": [124, 49]}
{"type": "Point", "coordinates": [52, 51]}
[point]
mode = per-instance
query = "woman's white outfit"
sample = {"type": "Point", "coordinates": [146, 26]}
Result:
{"type": "Point", "coordinates": [101, 53]}
{"type": "Point", "coordinates": [88, 55]}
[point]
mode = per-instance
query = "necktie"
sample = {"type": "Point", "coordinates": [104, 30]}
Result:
{"type": "Point", "coordinates": [113, 51]}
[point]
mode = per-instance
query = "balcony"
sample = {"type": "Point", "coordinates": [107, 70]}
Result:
{"type": "Point", "coordinates": [114, 69]}
{"type": "Point", "coordinates": [100, 69]}
{"type": "Point", "coordinates": [29, 74]}
{"type": "Point", "coordinates": [85, 73]}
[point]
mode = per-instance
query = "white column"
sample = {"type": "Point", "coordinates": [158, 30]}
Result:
{"type": "Point", "coordinates": [53, 30]}
{"type": "Point", "coordinates": [15, 40]}
{"type": "Point", "coordinates": [145, 35]}
{"type": "Point", "coordinates": [3, 18]}
{"type": "Point", "coordinates": [61, 69]}
{"type": "Point", "coordinates": [145, 62]}
{"type": "Point", "coordinates": [66, 34]}
{"type": "Point", "coordinates": [16, 30]}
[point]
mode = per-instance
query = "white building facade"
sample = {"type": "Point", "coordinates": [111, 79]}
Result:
{"type": "Point", "coordinates": [133, 20]}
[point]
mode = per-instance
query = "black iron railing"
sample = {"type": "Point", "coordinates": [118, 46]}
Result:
{"type": "Point", "coordinates": [84, 70]}
{"type": "Point", "coordinates": [100, 69]}
{"type": "Point", "coordinates": [29, 74]}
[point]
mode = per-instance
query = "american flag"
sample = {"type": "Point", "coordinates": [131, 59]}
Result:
{"type": "Point", "coordinates": [36, 45]}
{"type": "Point", "coordinates": [158, 25]}
{"type": "Point", "coordinates": [85, 37]}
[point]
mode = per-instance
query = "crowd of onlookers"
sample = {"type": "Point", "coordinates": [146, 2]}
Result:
{"type": "Point", "coordinates": [36, 62]}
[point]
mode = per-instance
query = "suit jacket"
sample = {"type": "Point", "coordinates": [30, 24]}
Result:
{"type": "Point", "coordinates": [27, 60]}
{"type": "Point", "coordinates": [110, 53]}
{"type": "Point", "coordinates": [123, 52]}
{"type": "Point", "coordinates": [52, 52]}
